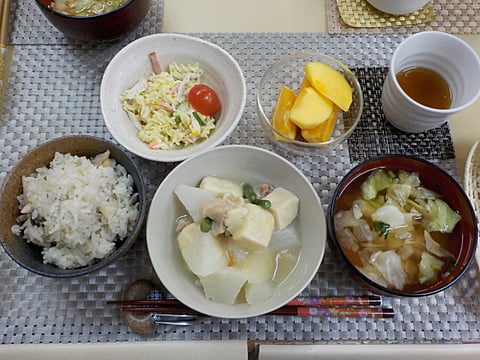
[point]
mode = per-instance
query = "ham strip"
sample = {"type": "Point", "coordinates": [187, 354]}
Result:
{"type": "Point", "coordinates": [157, 68]}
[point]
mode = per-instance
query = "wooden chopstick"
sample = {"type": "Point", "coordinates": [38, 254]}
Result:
{"type": "Point", "coordinates": [337, 306]}
{"type": "Point", "coordinates": [4, 26]}
{"type": "Point", "coordinates": [4, 22]}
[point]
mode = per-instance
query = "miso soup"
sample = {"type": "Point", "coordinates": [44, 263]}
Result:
{"type": "Point", "coordinates": [86, 7]}
{"type": "Point", "coordinates": [396, 231]}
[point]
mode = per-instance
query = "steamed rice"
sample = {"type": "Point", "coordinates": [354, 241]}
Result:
{"type": "Point", "coordinates": [77, 208]}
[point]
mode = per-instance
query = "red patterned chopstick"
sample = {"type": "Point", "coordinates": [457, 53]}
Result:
{"type": "Point", "coordinates": [355, 312]}
{"type": "Point", "coordinates": [323, 311]}
{"type": "Point", "coordinates": [337, 301]}
{"type": "Point", "coordinates": [337, 306]}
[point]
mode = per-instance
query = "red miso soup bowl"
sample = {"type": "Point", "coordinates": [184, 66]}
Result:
{"type": "Point", "coordinates": [403, 225]}
{"type": "Point", "coordinates": [107, 26]}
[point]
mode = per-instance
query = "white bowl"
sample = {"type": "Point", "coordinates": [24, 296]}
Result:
{"type": "Point", "coordinates": [245, 163]}
{"type": "Point", "coordinates": [132, 64]}
{"type": "Point", "coordinates": [398, 7]}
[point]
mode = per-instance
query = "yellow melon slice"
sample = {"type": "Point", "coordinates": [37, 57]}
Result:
{"type": "Point", "coordinates": [281, 114]}
{"type": "Point", "coordinates": [310, 109]}
{"type": "Point", "coordinates": [305, 83]}
{"type": "Point", "coordinates": [330, 83]}
{"type": "Point", "coordinates": [322, 132]}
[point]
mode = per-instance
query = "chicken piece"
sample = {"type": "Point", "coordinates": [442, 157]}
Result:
{"type": "Point", "coordinates": [215, 210]}
{"type": "Point", "coordinates": [103, 159]}
{"type": "Point", "coordinates": [182, 223]}
{"type": "Point", "coordinates": [263, 190]}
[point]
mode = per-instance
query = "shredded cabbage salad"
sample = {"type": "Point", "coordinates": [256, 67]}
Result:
{"type": "Point", "coordinates": [159, 108]}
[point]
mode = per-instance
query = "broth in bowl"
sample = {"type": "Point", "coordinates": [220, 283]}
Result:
{"type": "Point", "coordinates": [86, 7]}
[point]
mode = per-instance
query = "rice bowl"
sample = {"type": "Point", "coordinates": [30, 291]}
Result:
{"type": "Point", "coordinates": [75, 220]}
{"type": "Point", "coordinates": [29, 255]}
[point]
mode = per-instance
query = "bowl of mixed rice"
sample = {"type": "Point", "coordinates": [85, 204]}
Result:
{"type": "Point", "coordinates": [72, 205]}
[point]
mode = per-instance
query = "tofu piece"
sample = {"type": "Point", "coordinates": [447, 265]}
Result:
{"type": "Point", "coordinates": [284, 207]}
{"type": "Point", "coordinates": [192, 199]}
{"type": "Point", "coordinates": [225, 285]}
{"type": "Point", "coordinates": [220, 187]}
{"type": "Point", "coordinates": [202, 252]}
{"type": "Point", "coordinates": [250, 225]}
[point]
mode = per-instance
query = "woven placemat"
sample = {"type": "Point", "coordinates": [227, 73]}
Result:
{"type": "Point", "coordinates": [359, 13]}
{"type": "Point", "coordinates": [452, 16]}
{"type": "Point", "coordinates": [376, 136]}
{"type": "Point", "coordinates": [53, 91]}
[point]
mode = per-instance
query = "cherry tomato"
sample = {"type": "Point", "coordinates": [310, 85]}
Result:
{"type": "Point", "coordinates": [204, 99]}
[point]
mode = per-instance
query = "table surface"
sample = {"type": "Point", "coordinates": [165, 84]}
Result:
{"type": "Point", "coordinates": [294, 16]}
{"type": "Point", "coordinates": [288, 17]}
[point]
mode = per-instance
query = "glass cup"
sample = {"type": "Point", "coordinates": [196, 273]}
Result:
{"type": "Point", "coordinates": [447, 55]}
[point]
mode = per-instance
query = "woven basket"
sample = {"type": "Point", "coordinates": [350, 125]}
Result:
{"type": "Point", "coordinates": [472, 183]}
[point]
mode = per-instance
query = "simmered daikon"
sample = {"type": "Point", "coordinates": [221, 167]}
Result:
{"type": "Point", "coordinates": [250, 245]}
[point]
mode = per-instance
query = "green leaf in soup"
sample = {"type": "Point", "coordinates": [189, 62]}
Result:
{"type": "Point", "coordinates": [439, 216]}
{"type": "Point", "coordinates": [429, 267]}
{"type": "Point", "coordinates": [377, 181]}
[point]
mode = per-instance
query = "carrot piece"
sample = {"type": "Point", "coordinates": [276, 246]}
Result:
{"type": "Point", "coordinates": [281, 114]}
{"type": "Point", "coordinates": [322, 132]}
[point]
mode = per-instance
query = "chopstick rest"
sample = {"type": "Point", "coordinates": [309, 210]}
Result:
{"type": "Point", "coordinates": [141, 323]}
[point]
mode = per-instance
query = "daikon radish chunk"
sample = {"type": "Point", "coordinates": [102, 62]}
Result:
{"type": "Point", "coordinates": [258, 292]}
{"type": "Point", "coordinates": [192, 198]}
{"type": "Point", "coordinates": [285, 263]}
{"type": "Point", "coordinates": [258, 266]}
{"type": "Point", "coordinates": [202, 252]}
{"type": "Point", "coordinates": [224, 286]}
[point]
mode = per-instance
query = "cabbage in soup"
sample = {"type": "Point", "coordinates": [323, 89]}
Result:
{"type": "Point", "coordinates": [86, 7]}
{"type": "Point", "coordinates": [396, 231]}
